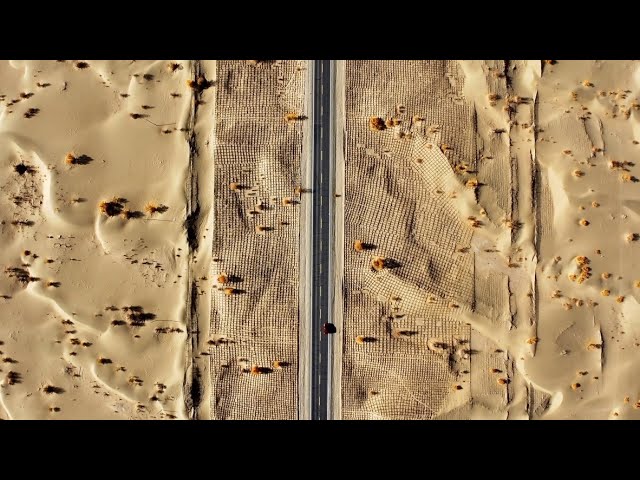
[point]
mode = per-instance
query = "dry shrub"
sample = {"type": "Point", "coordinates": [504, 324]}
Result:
{"type": "Point", "coordinates": [70, 159]}
{"type": "Point", "coordinates": [111, 208]}
{"type": "Point", "coordinates": [377, 124]}
{"type": "Point", "coordinates": [32, 112]}
{"type": "Point", "coordinates": [49, 389]}
{"type": "Point", "coordinates": [153, 207]}
{"type": "Point", "coordinates": [13, 378]}
{"type": "Point", "coordinates": [203, 83]}
{"type": "Point", "coordinates": [292, 117]}
{"type": "Point", "coordinates": [377, 263]}
{"type": "Point", "coordinates": [199, 84]}
{"type": "Point", "coordinates": [258, 370]}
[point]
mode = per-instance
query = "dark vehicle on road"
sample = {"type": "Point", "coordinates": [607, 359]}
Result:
{"type": "Point", "coordinates": [328, 328]}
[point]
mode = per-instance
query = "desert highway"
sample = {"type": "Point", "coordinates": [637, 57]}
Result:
{"type": "Point", "coordinates": [322, 238]}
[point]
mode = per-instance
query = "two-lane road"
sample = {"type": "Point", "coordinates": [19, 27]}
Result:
{"type": "Point", "coordinates": [322, 236]}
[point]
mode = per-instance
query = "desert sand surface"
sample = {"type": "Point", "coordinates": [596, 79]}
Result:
{"type": "Point", "coordinates": [260, 124]}
{"type": "Point", "coordinates": [95, 160]}
{"type": "Point", "coordinates": [392, 367]}
{"type": "Point", "coordinates": [150, 247]}
{"type": "Point", "coordinates": [156, 249]}
{"type": "Point", "coordinates": [587, 148]}
{"type": "Point", "coordinates": [490, 224]}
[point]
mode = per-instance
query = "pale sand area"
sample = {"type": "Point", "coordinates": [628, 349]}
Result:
{"type": "Point", "coordinates": [475, 192]}
{"type": "Point", "coordinates": [588, 355]}
{"type": "Point", "coordinates": [93, 302]}
{"type": "Point", "coordinates": [254, 328]}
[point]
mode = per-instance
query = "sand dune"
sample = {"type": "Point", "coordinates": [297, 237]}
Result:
{"type": "Point", "coordinates": [93, 299]}
{"type": "Point", "coordinates": [588, 122]}
{"type": "Point", "coordinates": [154, 231]}
{"type": "Point", "coordinates": [390, 202]}
{"type": "Point", "coordinates": [504, 192]}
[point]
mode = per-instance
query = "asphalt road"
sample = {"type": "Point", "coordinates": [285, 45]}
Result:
{"type": "Point", "coordinates": [322, 235]}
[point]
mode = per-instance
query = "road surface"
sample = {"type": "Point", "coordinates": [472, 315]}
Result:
{"type": "Point", "coordinates": [322, 231]}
